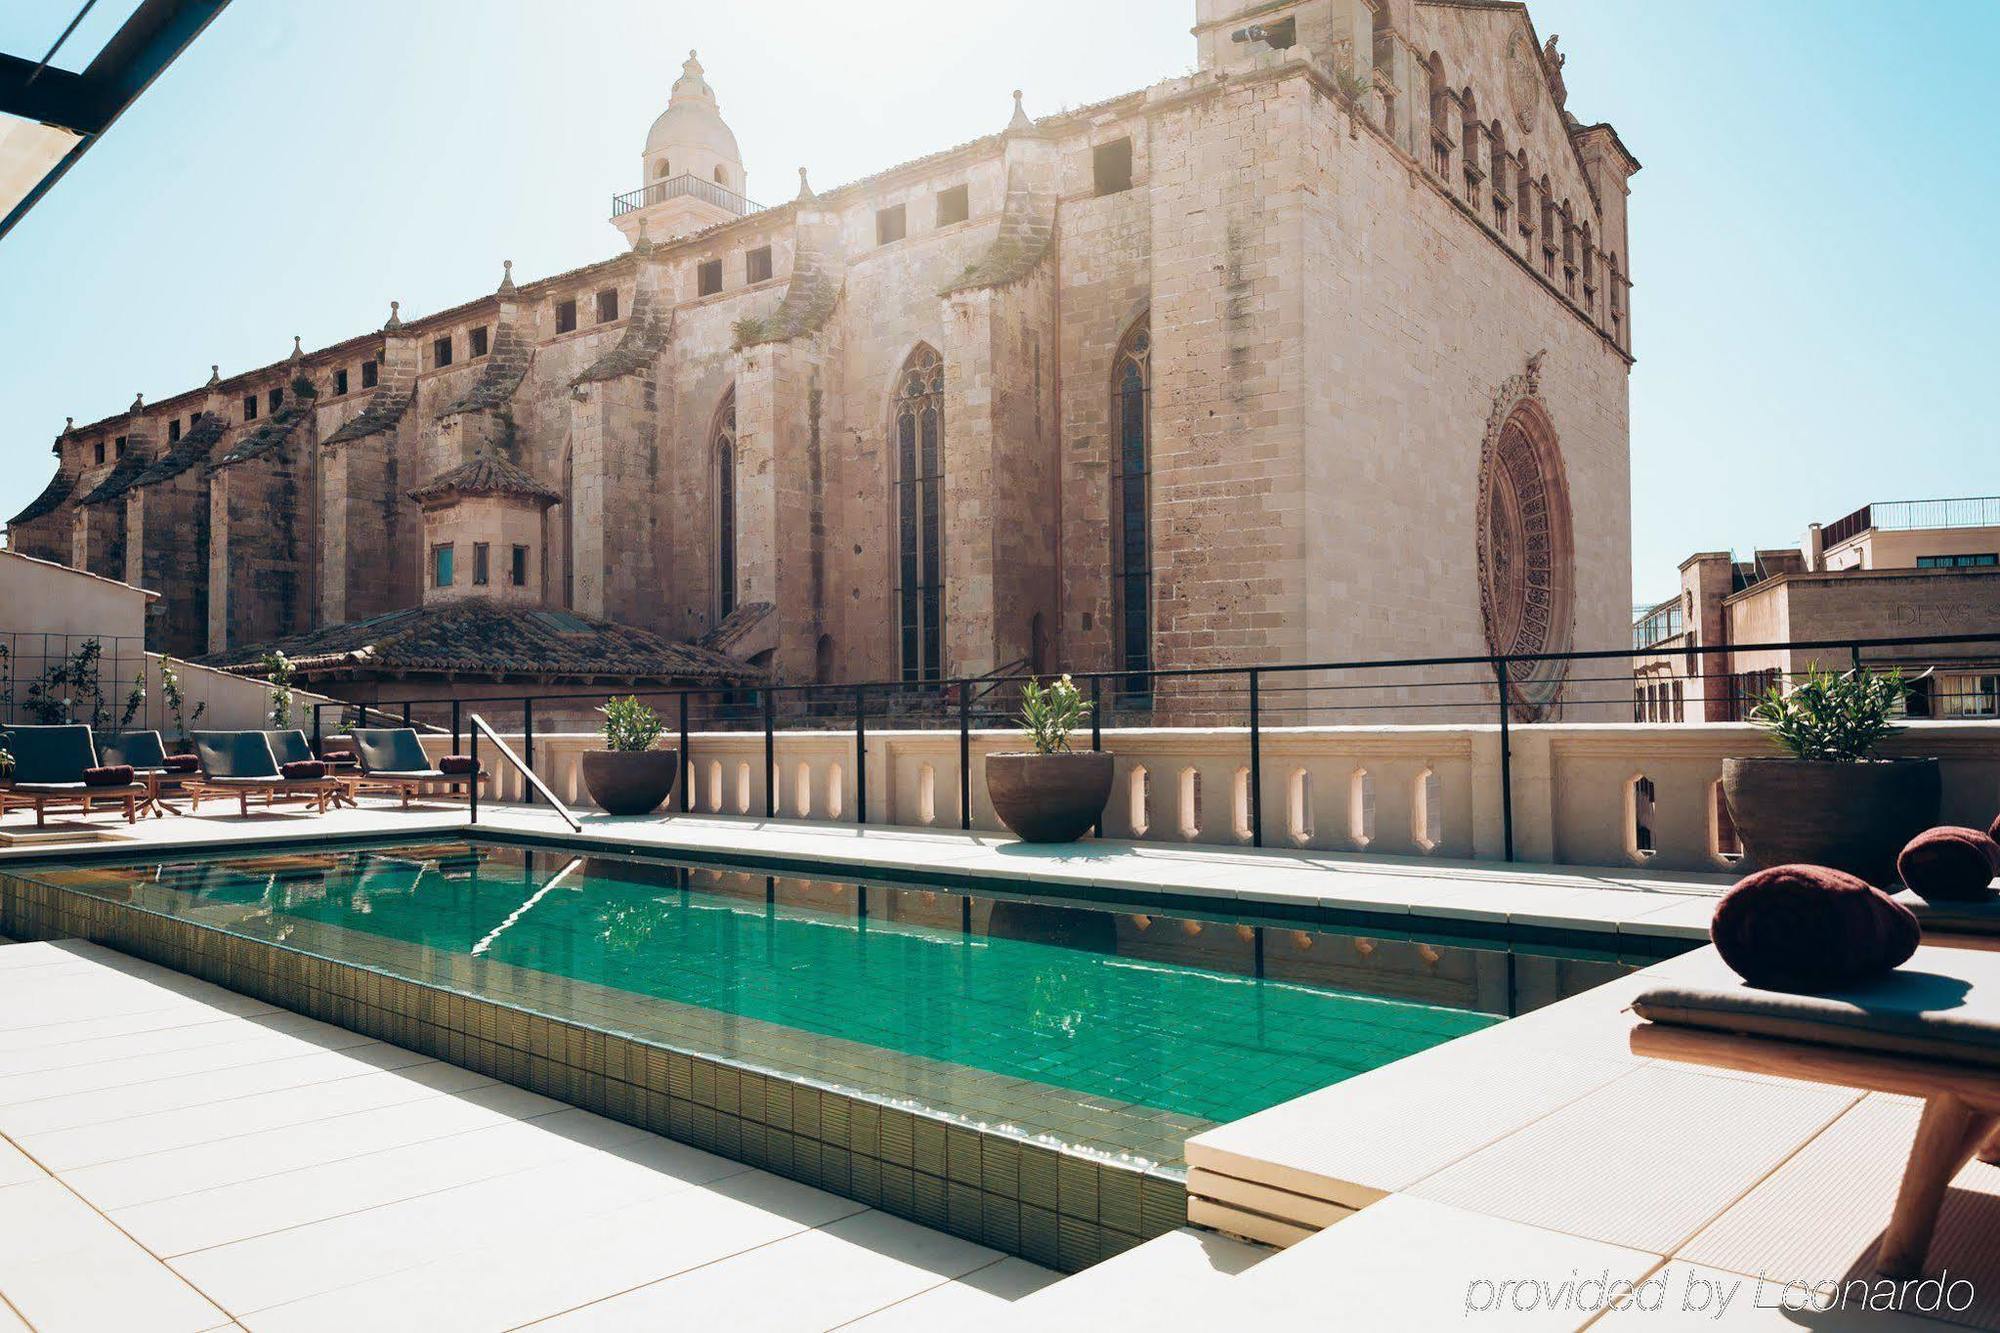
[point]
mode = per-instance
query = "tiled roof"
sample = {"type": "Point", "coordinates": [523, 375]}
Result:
{"type": "Point", "coordinates": [50, 500]}
{"type": "Point", "coordinates": [202, 435]}
{"type": "Point", "coordinates": [382, 412]}
{"type": "Point", "coordinates": [123, 477]}
{"type": "Point", "coordinates": [482, 638]}
{"type": "Point", "coordinates": [487, 474]}
{"type": "Point", "coordinates": [270, 435]}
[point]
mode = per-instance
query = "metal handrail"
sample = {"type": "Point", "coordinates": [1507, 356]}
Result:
{"type": "Point", "coordinates": [686, 183]}
{"type": "Point", "coordinates": [479, 728]}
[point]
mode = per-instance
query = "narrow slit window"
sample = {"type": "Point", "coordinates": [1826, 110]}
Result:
{"type": "Point", "coordinates": [724, 436]}
{"type": "Point", "coordinates": [517, 573]}
{"type": "Point", "coordinates": [918, 445]}
{"type": "Point", "coordinates": [482, 554]}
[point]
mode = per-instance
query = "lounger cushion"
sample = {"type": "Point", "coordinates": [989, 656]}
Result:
{"type": "Point", "coordinates": [393, 750]}
{"type": "Point", "coordinates": [141, 749]}
{"type": "Point", "coordinates": [1942, 1004]}
{"type": "Point", "coordinates": [302, 769]}
{"type": "Point", "coordinates": [235, 754]}
{"type": "Point", "coordinates": [1808, 928]}
{"type": "Point", "coordinates": [108, 775]}
{"type": "Point", "coordinates": [1950, 864]}
{"type": "Point", "coordinates": [458, 765]}
{"type": "Point", "coordinates": [44, 754]}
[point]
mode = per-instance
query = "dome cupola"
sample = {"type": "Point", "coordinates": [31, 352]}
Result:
{"type": "Point", "coordinates": [693, 174]}
{"type": "Point", "coordinates": [690, 138]}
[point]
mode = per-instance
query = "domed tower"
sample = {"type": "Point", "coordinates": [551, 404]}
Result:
{"type": "Point", "coordinates": [693, 171]}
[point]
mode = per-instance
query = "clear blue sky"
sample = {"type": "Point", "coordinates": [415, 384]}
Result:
{"type": "Point", "coordinates": [1814, 306]}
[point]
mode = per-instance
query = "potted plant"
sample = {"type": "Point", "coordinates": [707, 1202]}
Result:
{"type": "Point", "coordinates": [1832, 802]}
{"type": "Point", "coordinates": [1050, 793]}
{"type": "Point", "coordinates": [628, 776]}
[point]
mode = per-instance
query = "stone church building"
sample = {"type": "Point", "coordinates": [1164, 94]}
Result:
{"type": "Point", "coordinates": [1317, 353]}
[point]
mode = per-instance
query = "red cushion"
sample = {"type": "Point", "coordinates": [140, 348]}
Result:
{"type": "Point", "coordinates": [299, 770]}
{"type": "Point", "coordinates": [1993, 829]}
{"type": "Point", "coordinates": [110, 775]}
{"type": "Point", "coordinates": [1808, 928]}
{"type": "Point", "coordinates": [1949, 864]}
{"type": "Point", "coordinates": [183, 763]}
{"type": "Point", "coordinates": [456, 764]}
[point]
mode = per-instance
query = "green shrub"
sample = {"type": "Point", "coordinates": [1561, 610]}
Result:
{"type": "Point", "coordinates": [629, 725]}
{"type": "Point", "coordinates": [1049, 715]}
{"type": "Point", "coordinates": [1836, 717]}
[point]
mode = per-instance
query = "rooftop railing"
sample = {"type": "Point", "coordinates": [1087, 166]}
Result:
{"type": "Point", "coordinates": [684, 185]}
{"type": "Point", "coordinates": [1972, 511]}
{"type": "Point", "coordinates": [1229, 753]}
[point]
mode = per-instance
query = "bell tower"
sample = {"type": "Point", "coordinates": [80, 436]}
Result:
{"type": "Point", "coordinates": [692, 174]}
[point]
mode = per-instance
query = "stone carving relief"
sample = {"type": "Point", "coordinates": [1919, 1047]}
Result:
{"type": "Point", "coordinates": [1524, 81]}
{"type": "Point", "coordinates": [1527, 548]}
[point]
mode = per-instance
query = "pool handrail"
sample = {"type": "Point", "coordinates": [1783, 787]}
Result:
{"type": "Point", "coordinates": [479, 727]}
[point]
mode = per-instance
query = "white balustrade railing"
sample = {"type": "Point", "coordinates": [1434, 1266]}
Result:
{"type": "Point", "coordinates": [1608, 794]}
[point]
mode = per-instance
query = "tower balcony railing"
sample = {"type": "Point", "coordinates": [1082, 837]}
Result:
{"type": "Point", "coordinates": [685, 185]}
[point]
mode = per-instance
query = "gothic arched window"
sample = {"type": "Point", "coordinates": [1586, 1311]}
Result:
{"type": "Point", "coordinates": [723, 436]}
{"type": "Point", "coordinates": [917, 431]}
{"type": "Point", "coordinates": [1131, 510]}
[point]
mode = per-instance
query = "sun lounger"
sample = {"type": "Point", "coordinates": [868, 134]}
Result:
{"type": "Point", "coordinates": [392, 759]}
{"type": "Point", "coordinates": [1930, 1029]}
{"type": "Point", "coordinates": [239, 764]}
{"type": "Point", "coordinates": [292, 747]}
{"type": "Point", "coordinates": [49, 763]}
{"type": "Point", "coordinates": [147, 754]}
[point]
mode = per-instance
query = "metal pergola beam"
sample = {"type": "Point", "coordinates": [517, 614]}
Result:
{"type": "Point", "coordinates": [89, 103]}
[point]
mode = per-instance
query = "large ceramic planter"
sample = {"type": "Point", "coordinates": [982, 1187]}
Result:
{"type": "Point", "coordinates": [1853, 817]}
{"type": "Point", "coordinates": [630, 782]}
{"type": "Point", "coordinates": [1049, 797]}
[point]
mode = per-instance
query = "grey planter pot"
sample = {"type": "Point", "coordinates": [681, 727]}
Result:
{"type": "Point", "coordinates": [1853, 817]}
{"type": "Point", "coordinates": [630, 782]}
{"type": "Point", "coordinates": [1049, 797]}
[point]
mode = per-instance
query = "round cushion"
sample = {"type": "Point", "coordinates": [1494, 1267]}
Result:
{"type": "Point", "coordinates": [1808, 928]}
{"type": "Point", "coordinates": [1949, 864]}
{"type": "Point", "coordinates": [458, 765]}
{"type": "Point", "coordinates": [183, 763]}
{"type": "Point", "coordinates": [1993, 829]}
{"type": "Point", "coordinates": [108, 775]}
{"type": "Point", "coordinates": [303, 770]}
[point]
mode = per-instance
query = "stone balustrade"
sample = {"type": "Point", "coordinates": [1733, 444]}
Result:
{"type": "Point", "coordinates": [1597, 794]}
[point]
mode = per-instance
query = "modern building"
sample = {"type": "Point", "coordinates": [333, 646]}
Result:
{"type": "Point", "coordinates": [1153, 382]}
{"type": "Point", "coordinates": [1898, 569]}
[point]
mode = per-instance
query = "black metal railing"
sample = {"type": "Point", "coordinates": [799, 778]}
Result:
{"type": "Point", "coordinates": [684, 185]}
{"type": "Point", "coordinates": [1967, 511]}
{"type": "Point", "coordinates": [1509, 692]}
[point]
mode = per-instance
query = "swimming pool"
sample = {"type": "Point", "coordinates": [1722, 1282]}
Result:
{"type": "Point", "coordinates": [1112, 1032]}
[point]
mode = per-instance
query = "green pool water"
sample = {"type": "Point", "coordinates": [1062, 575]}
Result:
{"type": "Point", "coordinates": [1119, 1030]}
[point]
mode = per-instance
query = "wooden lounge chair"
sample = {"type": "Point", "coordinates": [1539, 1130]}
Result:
{"type": "Point", "coordinates": [1930, 1029]}
{"type": "Point", "coordinates": [147, 754]}
{"type": "Point", "coordinates": [292, 747]}
{"type": "Point", "coordinates": [239, 765]}
{"type": "Point", "coordinates": [392, 759]}
{"type": "Point", "coordinates": [49, 762]}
